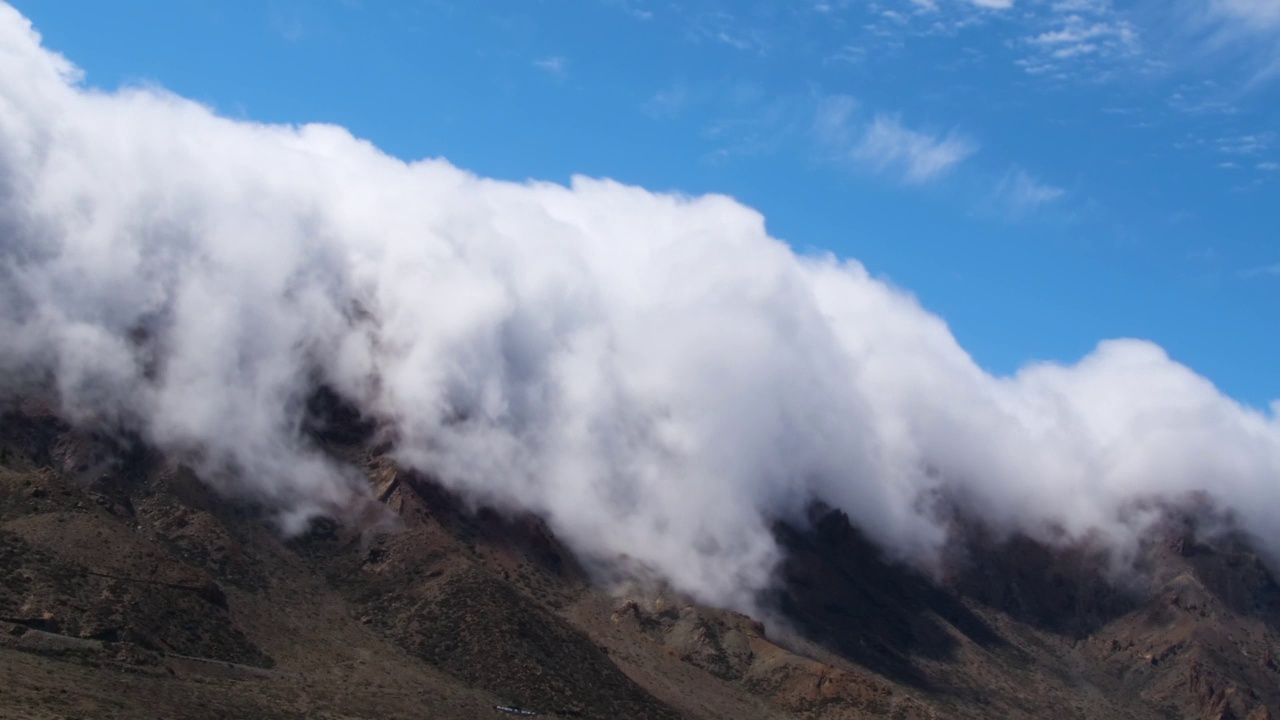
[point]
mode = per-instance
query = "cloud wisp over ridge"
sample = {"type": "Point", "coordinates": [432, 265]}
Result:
{"type": "Point", "coordinates": [653, 374]}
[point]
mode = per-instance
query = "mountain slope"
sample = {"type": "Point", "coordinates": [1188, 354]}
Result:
{"type": "Point", "coordinates": [127, 589]}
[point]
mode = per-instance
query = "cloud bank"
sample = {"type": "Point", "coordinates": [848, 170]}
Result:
{"type": "Point", "coordinates": [653, 374]}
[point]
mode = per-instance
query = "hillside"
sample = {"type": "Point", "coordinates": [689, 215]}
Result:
{"type": "Point", "coordinates": [128, 589]}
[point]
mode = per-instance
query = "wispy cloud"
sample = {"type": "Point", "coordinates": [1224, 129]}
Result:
{"type": "Point", "coordinates": [988, 4]}
{"type": "Point", "coordinates": [888, 29]}
{"type": "Point", "coordinates": [1196, 31]}
{"type": "Point", "coordinates": [1059, 40]}
{"type": "Point", "coordinates": [846, 55]}
{"type": "Point", "coordinates": [1236, 40]}
{"type": "Point", "coordinates": [555, 66]}
{"type": "Point", "coordinates": [884, 144]}
{"type": "Point", "coordinates": [667, 103]}
{"type": "Point", "coordinates": [1080, 39]}
{"type": "Point", "coordinates": [887, 144]}
{"type": "Point", "coordinates": [731, 30]}
{"type": "Point", "coordinates": [1238, 152]}
{"type": "Point", "coordinates": [1020, 194]}
{"type": "Point", "coordinates": [1248, 144]}
{"type": "Point", "coordinates": [634, 8]}
{"type": "Point", "coordinates": [289, 23]}
{"type": "Point", "coordinates": [1272, 270]}
{"type": "Point", "coordinates": [833, 122]}
{"type": "Point", "coordinates": [751, 125]}
{"type": "Point", "coordinates": [1260, 13]}
{"type": "Point", "coordinates": [1203, 98]}
{"type": "Point", "coordinates": [740, 119]}
{"type": "Point", "coordinates": [1243, 29]}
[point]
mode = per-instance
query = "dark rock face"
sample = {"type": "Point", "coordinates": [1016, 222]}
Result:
{"type": "Point", "coordinates": [129, 589]}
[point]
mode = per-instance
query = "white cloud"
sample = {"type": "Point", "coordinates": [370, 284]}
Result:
{"type": "Point", "coordinates": [988, 4]}
{"type": "Point", "coordinates": [1074, 33]}
{"type": "Point", "coordinates": [1092, 40]}
{"type": "Point", "coordinates": [1020, 193]}
{"type": "Point", "coordinates": [887, 144]}
{"type": "Point", "coordinates": [733, 31]}
{"type": "Point", "coordinates": [1247, 144]}
{"type": "Point", "coordinates": [834, 120]}
{"type": "Point", "coordinates": [653, 374]}
{"type": "Point", "coordinates": [1243, 32]}
{"type": "Point", "coordinates": [1205, 98]}
{"type": "Point", "coordinates": [1272, 270]}
{"type": "Point", "coordinates": [1259, 14]}
{"type": "Point", "coordinates": [667, 103]}
{"type": "Point", "coordinates": [634, 8]}
{"type": "Point", "coordinates": [556, 66]}
{"type": "Point", "coordinates": [1081, 40]}
{"type": "Point", "coordinates": [847, 55]}
{"type": "Point", "coordinates": [884, 144]}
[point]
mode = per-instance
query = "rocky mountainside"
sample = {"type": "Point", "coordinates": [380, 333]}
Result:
{"type": "Point", "coordinates": [127, 589]}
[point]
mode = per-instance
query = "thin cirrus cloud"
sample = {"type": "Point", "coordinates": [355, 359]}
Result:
{"type": "Point", "coordinates": [1020, 193]}
{"type": "Point", "coordinates": [1096, 39]}
{"type": "Point", "coordinates": [1257, 14]}
{"type": "Point", "coordinates": [919, 156]}
{"type": "Point", "coordinates": [667, 103]}
{"type": "Point", "coordinates": [555, 66]}
{"type": "Point", "coordinates": [1272, 270]}
{"type": "Point", "coordinates": [989, 4]}
{"type": "Point", "coordinates": [1088, 40]}
{"type": "Point", "coordinates": [1247, 30]}
{"type": "Point", "coordinates": [884, 144]}
{"type": "Point", "coordinates": [1202, 34]}
{"type": "Point", "coordinates": [1081, 39]}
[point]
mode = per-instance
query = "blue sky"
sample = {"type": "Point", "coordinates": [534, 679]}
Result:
{"type": "Point", "coordinates": [1042, 174]}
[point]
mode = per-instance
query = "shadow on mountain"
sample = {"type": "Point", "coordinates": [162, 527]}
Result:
{"type": "Point", "coordinates": [1223, 562]}
{"type": "Point", "coordinates": [1065, 590]}
{"type": "Point", "coordinates": [839, 591]}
